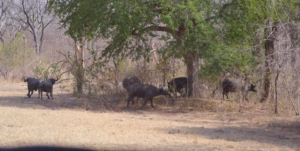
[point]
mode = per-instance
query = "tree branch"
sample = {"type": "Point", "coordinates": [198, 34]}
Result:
{"type": "Point", "coordinates": [135, 32]}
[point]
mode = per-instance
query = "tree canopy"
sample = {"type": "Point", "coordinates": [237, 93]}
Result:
{"type": "Point", "coordinates": [220, 32]}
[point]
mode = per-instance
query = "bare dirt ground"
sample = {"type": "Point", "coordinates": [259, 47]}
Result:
{"type": "Point", "coordinates": [77, 122]}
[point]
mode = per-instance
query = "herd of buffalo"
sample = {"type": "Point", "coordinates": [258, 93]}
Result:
{"type": "Point", "coordinates": [34, 84]}
{"type": "Point", "coordinates": [135, 88]}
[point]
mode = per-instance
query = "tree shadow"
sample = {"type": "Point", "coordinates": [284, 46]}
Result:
{"type": "Point", "coordinates": [275, 133]}
{"type": "Point", "coordinates": [107, 103]}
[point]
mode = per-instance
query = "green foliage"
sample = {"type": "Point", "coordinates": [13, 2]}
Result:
{"type": "Point", "coordinates": [129, 23]}
{"type": "Point", "coordinates": [42, 72]}
{"type": "Point", "coordinates": [38, 71]}
{"type": "Point", "coordinates": [13, 55]}
{"type": "Point", "coordinates": [220, 58]}
{"type": "Point", "coordinates": [221, 33]}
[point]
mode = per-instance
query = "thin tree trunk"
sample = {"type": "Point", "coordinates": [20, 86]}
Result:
{"type": "Point", "coordinates": [117, 63]}
{"type": "Point", "coordinates": [145, 71]}
{"type": "Point", "coordinates": [173, 84]}
{"type": "Point", "coordinates": [276, 94]}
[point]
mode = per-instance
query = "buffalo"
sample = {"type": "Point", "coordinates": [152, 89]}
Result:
{"type": "Point", "coordinates": [229, 85]}
{"type": "Point", "coordinates": [177, 85]}
{"type": "Point", "coordinates": [128, 81]}
{"type": "Point", "coordinates": [46, 86]}
{"type": "Point", "coordinates": [145, 91]}
{"type": "Point", "coordinates": [32, 85]}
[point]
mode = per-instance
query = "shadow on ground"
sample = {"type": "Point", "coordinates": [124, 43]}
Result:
{"type": "Point", "coordinates": [275, 133]}
{"type": "Point", "coordinates": [103, 104]}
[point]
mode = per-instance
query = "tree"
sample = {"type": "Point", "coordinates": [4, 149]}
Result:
{"type": "Point", "coordinates": [4, 17]}
{"type": "Point", "coordinates": [34, 17]}
{"type": "Point", "coordinates": [193, 29]}
{"type": "Point", "coordinates": [276, 14]}
{"type": "Point", "coordinates": [130, 23]}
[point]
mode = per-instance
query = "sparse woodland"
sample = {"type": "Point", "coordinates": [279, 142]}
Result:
{"type": "Point", "coordinates": [92, 45]}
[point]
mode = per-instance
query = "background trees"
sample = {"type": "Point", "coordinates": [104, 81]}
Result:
{"type": "Point", "coordinates": [248, 38]}
{"type": "Point", "coordinates": [192, 29]}
{"type": "Point", "coordinates": [33, 16]}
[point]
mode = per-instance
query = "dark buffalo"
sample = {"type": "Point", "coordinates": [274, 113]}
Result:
{"type": "Point", "coordinates": [178, 84]}
{"type": "Point", "coordinates": [127, 82]}
{"type": "Point", "coordinates": [32, 85]}
{"type": "Point", "coordinates": [145, 91]}
{"type": "Point", "coordinates": [46, 86]}
{"type": "Point", "coordinates": [229, 85]}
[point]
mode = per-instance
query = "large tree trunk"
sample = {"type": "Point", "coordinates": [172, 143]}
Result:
{"type": "Point", "coordinates": [80, 67]}
{"type": "Point", "coordinates": [269, 59]}
{"type": "Point", "coordinates": [190, 59]}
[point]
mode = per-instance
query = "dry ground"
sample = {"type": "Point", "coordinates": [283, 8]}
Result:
{"type": "Point", "coordinates": [70, 121]}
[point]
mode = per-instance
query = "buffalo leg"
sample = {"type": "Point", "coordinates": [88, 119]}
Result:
{"type": "Point", "coordinates": [226, 94]}
{"type": "Point", "coordinates": [144, 103]}
{"type": "Point", "coordinates": [151, 101]}
{"type": "Point", "coordinates": [51, 94]}
{"type": "Point", "coordinates": [31, 93]}
{"type": "Point", "coordinates": [28, 94]}
{"type": "Point", "coordinates": [245, 96]}
{"type": "Point", "coordinates": [183, 94]}
{"type": "Point", "coordinates": [172, 90]}
{"type": "Point", "coordinates": [47, 93]}
{"type": "Point", "coordinates": [128, 100]}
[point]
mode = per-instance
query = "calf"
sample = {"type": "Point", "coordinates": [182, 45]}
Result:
{"type": "Point", "coordinates": [32, 84]}
{"type": "Point", "coordinates": [178, 84]}
{"type": "Point", "coordinates": [46, 86]}
{"type": "Point", "coordinates": [145, 91]}
{"type": "Point", "coordinates": [233, 86]}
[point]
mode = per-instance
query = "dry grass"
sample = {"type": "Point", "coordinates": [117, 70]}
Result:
{"type": "Point", "coordinates": [187, 125]}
